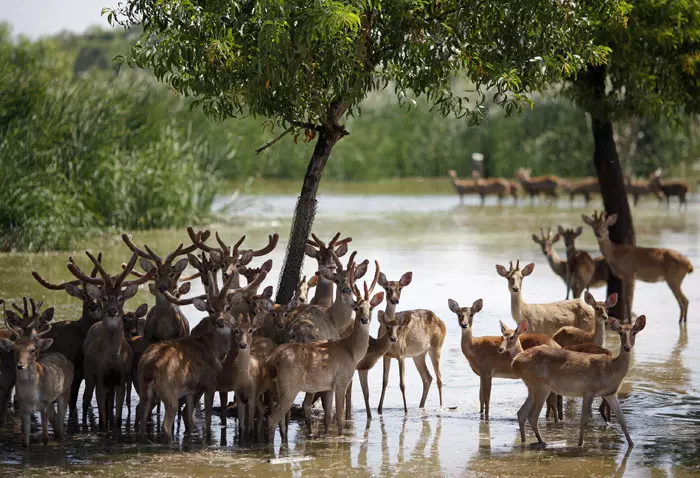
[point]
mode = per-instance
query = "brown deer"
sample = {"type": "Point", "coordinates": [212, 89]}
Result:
{"type": "Point", "coordinates": [301, 295]}
{"type": "Point", "coordinates": [573, 374]}
{"type": "Point", "coordinates": [462, 186]}
{"type": "Point", "coordinates": [586, 187]}
{"type": "Point", "coordinates": [165, 320]}
{"type": "Point", "coordinates": [574, 336]}
{"type": "Point", "coordinates": [483, 354]}
{"type": "Point", "coordinates": [546, 242]}
{"type": "Point", "coordinates": [187, 367]}
{"type": "Point", "coordinates": [107, 354]}
{"type": "Point", "coordinates": [638, 188]}
{"type": "Point", "coordinates": [320, 367]}
{"type": "Point", "coordinates": [69, 335]}
{"type": "Point", "coordinates": [544, 318]}
{"type": "Point", "coordinates": [422, 333]}
{"type": "Point", "coordinates": [41, 381]}
{"type": "Point", "coordinates": [649, 264]}
{"type": "Point", "coordinates": [668, 189]}
{"type": "Point", "coordinates": [492, 186]}
{"type": "Point", "coordinates": [317, 249]}
{"type": "Point", "coordinates": [546, 185]}
{"type": "Point", "coordinates": [580, 266]}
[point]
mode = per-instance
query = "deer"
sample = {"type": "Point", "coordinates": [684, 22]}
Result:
{"type": "Point", "coordinates": [41, 381]}
{"type": "Point", "coordinates": [188, 367]}
{"type": "Point", "coordinates": [586, 187]}
{"type": "Point", "coordinates": [546, 242]}
{"type": "Point", "coordinates": [496, 186]}
{"type": "Point", "coordinates": [107, 354]}
{"type": "Point", "coordinates": [544, 318]}
{"type": "Point", "coordinates": [569, 335]}
{"type": "Point", "coordinates": [165, 320]}
{"type": "Point", "coordinates": [668, 189]}
{"type": "Point", "coordinates": [462, 186]}
{"type": "Point", "coordinates": [69, 335]}
{"type": "Point", "coordinates": [574, 374]}
{"type": "Point", "coordinates": [649, 264]}
{"type": "Point", "coordinates": [320, 366]}
{"type": "Point", "coordinates": [546, 185]}
{"type": "Point", "coordinates": [301, 295]}
{"type": "Point", "coordinates": [324, 255]}
{"type": "Point", "coordinates": [484, 356]}
{"type": "Point", "coordinates": [514, 189]}
{"type": "Point", "coordinates": [579, 264]}
{"type": "Point", "coordinates": [422, 333]}
{"type": "Point", "coordinates": [28, 324]}
{"type": "Point", "coordinates": [638, 188]}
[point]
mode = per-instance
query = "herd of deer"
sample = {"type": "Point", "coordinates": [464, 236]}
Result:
{"type": "Point", "coordinates": [267, 353]}
{"type": "Point", "coordinates": [548, 186]}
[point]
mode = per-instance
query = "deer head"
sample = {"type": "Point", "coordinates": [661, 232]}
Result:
{"type": "Point", "coordinates": [323, 253]}
{"type": "Point", "coordinates": [515, 275]}
{"type": "Point", "coordinates": [25, 322]}
{"type": "Point", "coordinates": [244, 327]}
{"type": "Point", "coordinates": [627, 332]}
{"type": "Point", "coordinates": [511, 336]}
{"type": "Point", "coordinates": [570, 236]}
{"type": "Point", "coordinates": [364, 305]}
{"type": "Point", "coordinates": [600, 308]}
{"type": "Point", "coordinates": [26, 348]}
{"type": "Point", "coordinates": [546, 241]}
{"type": "Point", "coordinates": [393, 288]}
{"type": "Point", "coordinates": [344, 278]}
{"type": "Point", "coordinates": [131, 320]}
{"type": "Point", "coordinates": [600, 223]}
{"type": "Point", "coordinates": [465, 315]}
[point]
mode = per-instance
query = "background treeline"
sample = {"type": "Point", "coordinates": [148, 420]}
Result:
{"type": "Point", "coordinates": [86, 146]}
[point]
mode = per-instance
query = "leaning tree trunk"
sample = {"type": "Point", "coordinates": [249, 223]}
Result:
{"type": "Point", "coordinates": [610, 178]}
{"type": "Point", "coordinates": [305, 212]}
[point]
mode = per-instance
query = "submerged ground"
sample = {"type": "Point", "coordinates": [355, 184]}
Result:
{"type": "Point", "coordinates": [451, 250]}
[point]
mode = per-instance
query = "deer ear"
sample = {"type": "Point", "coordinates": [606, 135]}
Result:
{"type": "Point", "coordinates": [267, 266]}
{"type": "Point", "coordinates": [590, 300]}
{"type": "Point", "coordinates": [152, 288]}
{"type": "Point", "coordinates": [328, 275]}
{"type": "Point", "coordinates": [258, 320]}
{"type": "Point", "coordinates": [536, 239]}
{"type": "Point", "coordinates": [612, 300]}
{"type": "Point", "coordinates": [613, 324]}
{"type": "Point", "coordinates": [640, 323]}
{"type": "Point", "coordinates": [47, 315]}
{"type": "Point", "coordinates": [184, 288]}
{"type": "Point", "coordinates": [141, 311]}
{"type": "Point", "coordinates": [587, 220]}
{"type": "Point", "coordinates": [291, 305]}
{"type": "Point", "coordinates": [267, 292]}
{"type": "Point", "coordinates": [180, 265]}
{"type": "Point", "coordinates": [454, 306]}
{"type": "Point", "coordinates": [502, 271]}
{"type": "Point", "coordinates": [381, 317]}
{"type": "Point", "coordinates": [201, 305]}
{"type": "Point", "coordinates": [194, 262]}
{"type": "Point", "coordinates": [145, 265]}
{"type": "Point", "coordinates": [361, 270]}
{"type": "Point", "coordinates": [477, 305]}
{"type": "Point", "coordinates": [406, 279]}
{"type": "Point", "coordinates": [130, 291]}
{"type": "Point", "coordinates": [527, 270]}
{"type": "Point", "coordinates": [93, 291]}
{"type": "Point", "coordinates": [522, 327]}
{"type": "Point", "coordinates": [377, 299]}
{"type": "Point", "coordinates": [579, 230]}
{"type": "Point", "coordinates": [341, 250]}
{"type": "Point", "coordinates": [313, 281]}
{"type": "Point", "coordinates": [504, 328]}
{"type": "Point", "coordinates": [311, 251]}
{"type": "Point", "coordinates": [560, 229]}
{"type": "Point", "coordinates": [6, 345]}
{"type": "Point", "coordinates": [382, 280]}
{"type": "Point", "coordinates": [556, 238]}
{"type": "Point", "coordinates": [75, 291]}
{"type": "Point", "coordinates": [43, 344]}
{"type": "Point", "coordinates": [610, 220]}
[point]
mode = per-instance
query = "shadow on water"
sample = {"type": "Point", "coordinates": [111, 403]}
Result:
{"type": "Point", "coordinates": [452, 250]}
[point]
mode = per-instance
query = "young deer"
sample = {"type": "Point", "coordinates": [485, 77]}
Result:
{"type": "Point", "coordinates": [69, 335]}
{"type": "Point", "coordinates": [324, 255]}
{"type": "Point", "coordinates": [629, 262]}
{"type": "Point", "coordinates": [574, 374]}
{"type": "Point", "coordinates": [573, 335]}
{"type": "Point", "coordinates": [41, 381]}
{"type": "Point", "coordinates": [547, 242]}
{"type": "Point", "coordinates": [544, 318]}
{"type": "Point", "coordinates": [320, 367]}
{"type": "Point", "coordinates": [107, 354]}
{"type": "Point", "coordinates": [189, 366]}
{"type": "Point", "coordinates": [483, 354]}
{"type": "Point", "coordinates": [165, 320]}
{"type": "Point", "coordinates": [579, 264]}
{"type": "Point", "coordinates": [546, 185]}
{"type": "Point", "coordinates": [422, 333]}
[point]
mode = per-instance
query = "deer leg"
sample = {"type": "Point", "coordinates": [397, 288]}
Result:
{"type": "Point", "coordinates": [615, 408]}
{"type": "Point", "coordinates": [552, 406]}
{"type": "Point", "coordinates": [435, 353]}
{"type": "Point", "coordinates": [365, 390]}
{"type": "Point", "coordinates": [250, 405]}
{"type": "Point", "coordinates": [348, 402]}
{"type": "Point", "coordinates": [533, 417]}
{"type": "Point", "coordinates": [680, 298]}
{"type": "Point", "coordinates": [306, 405]}
{"type": "Point", "coordinates": [208, 405]}
{"type": "Point", "coordinates": [242, 416]}
{"type": "Point", "coordinates": [145, 407]}
{"type": "Point", "coordinates": [223, 400]}
{"type": "Point", "coordinates": [327, 402]}
{"type": "Point", "coordinates": [425, 376]}
{"type": "Point", "coordinates": [604, 410]}
{"type": "Point", "coordinates": [45, 426]}
{"type": "Point", "coordinates": [171, 406]}
{"type": "Point", "coordinates": [101, 392]}
{"type": "Point", "coordinates": [75, 389]}
{"type": "Point", "coordinates": [340, 406]}
{"type": "Point", "coordinates": [481, 396]}
{"type": "Point", "coordinates": [585, 412]}
{"type": "Point", "coordinates": [284, 402]}
{"type": "Point", "coordinates": [560, 406]}
{"type": "Point", "coordinates": [402, 384]}
{"type": "Point", "coordinates": [523, 412]}
{"type": "Point", "coordinates": [87, 394]}
{"type": "Point", "coordinates": [121, 392]}
{"type": "Point", "coordinates": [128, 397]}
{"type": "Point", "coordinates": [385, 381]}
{"type": "Point", "coordinates": [62, 405]}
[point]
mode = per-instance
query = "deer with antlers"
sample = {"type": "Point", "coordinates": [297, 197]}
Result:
{"type": "Point", "coordinates": [544, 318]}
{"type": "Point", "coordinates": [422, 333]}
{"type": "Point", "coordinates": [546, 242]}
{"type": "Point", "coordinates": [41, 380]}
{"type": "Point", "coordinates": [69, 335]}
{"type": "Point", "coordinates": [574, 374]}
{"type": "Point", "coordinates": [649, 264]}
{"type": "Point", "coordinates": [165, 320]}
{"type": "Point", "coordinates": [324, 255]}
{"type": "Point", "coordinates": [582, 270]}
{"type": "Point", "coordinates": [320, 366]}
{"type": "Point", "coordinates": [188, 367]}
{"type": "Point", "coordinates": [107, 354]}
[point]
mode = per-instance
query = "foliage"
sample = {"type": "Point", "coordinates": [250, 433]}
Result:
{"type": "Point", "coordinates": [88, 153]}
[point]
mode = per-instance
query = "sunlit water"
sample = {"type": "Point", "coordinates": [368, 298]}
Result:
{"type": "Point", "coordinates": [451, 250]}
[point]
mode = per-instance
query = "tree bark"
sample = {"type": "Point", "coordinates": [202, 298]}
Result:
{"type": "Point", "coordinates": [305, 212]}
{"type": "Point", "coordinates": [610, 177]}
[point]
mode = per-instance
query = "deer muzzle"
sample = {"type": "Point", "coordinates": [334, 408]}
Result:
{"type": "Point", "coordinates": [364, 320]}
{"type": "Point", "coordinates": [21, 366]}
{"type": "Point", "coordinates": [394, 301]}
{"type": "Point", "coordinates": [243, 346]}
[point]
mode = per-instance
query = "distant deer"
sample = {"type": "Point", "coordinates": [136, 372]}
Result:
{"type": "Point", "coordinates": [547, 242]}
{"type": "Point", "coordinates": [107, 354]}
{"type": "Point", "coordinates": [586, 187]}
{"type": "Point", "coordinates": [544, 318]}
{"type": "Point", "coordinates": [573, 374]}
{"type": "Point", "coordinates": [422, 333]}
{"type": "Point", "coordinates": [638, 188]}
{"type": "Point", "coordinates": [462, 186]}
{"type": "Point", "coordinates": [668, 188]}
{"type": "Point", "coordinates": [579, 264]}
{"type": "Point", "coordinates": [649, 264]}
{"type": "Point", "coordinates": [320, 367]}
{"type": "Point", "coordinates": [546, 185]}
{"type": "Point", "coordinates": [484, 356]}
{"type": "Point", "coordinates": [492, 186]}
{"type": "Point", "coordinates": [41, 381]}
{"type": "Point", "coordinates": [317, 249]}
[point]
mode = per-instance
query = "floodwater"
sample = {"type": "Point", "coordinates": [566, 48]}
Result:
{"type": "Point", "coordinates": [452, 250]}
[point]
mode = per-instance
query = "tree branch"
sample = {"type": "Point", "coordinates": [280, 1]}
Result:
{"type": "Point", "coordinates": [270, 143]}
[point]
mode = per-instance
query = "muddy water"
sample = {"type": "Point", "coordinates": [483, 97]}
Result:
{"type": "Point", "coordinates": [452, 250]}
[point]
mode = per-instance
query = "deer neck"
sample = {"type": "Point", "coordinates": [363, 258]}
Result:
{"type": "Point", "coordinates": [516, 306]}
{"type": "Point", "coordinates": [390, 310]}
{"type": "Point", "coordinates": [162, 303]}
{"type": "Point", "coordinates": [467, 340]}
{"type": "Point", "coordinates": [220, 338]}
{"type": "Point", "coordinates": [358, 341]}
{"type": "Point", "coordinates": [324, 291]}
{"type": "Point", "coordinates": [599, 333]}
{"type": "Point", "coordinates": [619, 366]}
{"type": "Point", "coordinates": [518, 349]}
{"type": "Point", "coordinates": [570, 252]}
{"type": "Point", "coordinates": [553, 258]}
{"type": "Point", "coordinates": [607, 249]}
{"type": "Point", "coordinates": [341, 314]}
{"type": "Point", "coordinates": [242, 360]}
{"type": "Point", "coordinates": [30, 375]}
{"type": "Point", "coordinates": [380, 345]}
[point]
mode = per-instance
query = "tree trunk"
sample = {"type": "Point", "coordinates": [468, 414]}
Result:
{"type": "Point", "coordinates": [610, 178]}
{"type": "Point", "coordinates": [304, 214]}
